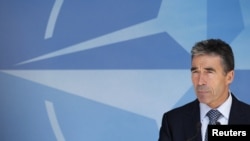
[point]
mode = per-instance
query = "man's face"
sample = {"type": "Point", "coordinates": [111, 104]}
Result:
{"type": "Point", "coordinates": [209, 79]}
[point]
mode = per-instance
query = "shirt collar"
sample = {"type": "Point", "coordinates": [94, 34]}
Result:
{"type": "Point", "coordinates": [224, 108]}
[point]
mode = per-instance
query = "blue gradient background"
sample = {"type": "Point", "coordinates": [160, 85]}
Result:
{"type": "Point", "coordinates": [107, 70]}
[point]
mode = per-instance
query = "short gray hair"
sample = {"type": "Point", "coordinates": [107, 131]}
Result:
{"type": "Point", "coordinates": [215, 47]}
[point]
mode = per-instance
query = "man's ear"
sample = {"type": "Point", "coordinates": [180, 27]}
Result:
{"type": "Point", "coordinates": [230, 76]}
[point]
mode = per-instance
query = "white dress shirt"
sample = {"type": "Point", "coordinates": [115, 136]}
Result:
{"type": "Point", "coordinates": [224, 109]}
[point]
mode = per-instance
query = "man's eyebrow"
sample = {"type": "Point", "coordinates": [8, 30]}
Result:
{"type": "Point", "coordinates": [210, 69]}
{"type": "Point", "coordinates": [193, 68]}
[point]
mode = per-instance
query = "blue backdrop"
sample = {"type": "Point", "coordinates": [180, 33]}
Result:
{"type": "Point", "coordinates": [73, 70]}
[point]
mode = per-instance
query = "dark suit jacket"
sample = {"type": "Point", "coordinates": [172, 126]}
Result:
{"type": "Point", "coordinates": [183, 123]}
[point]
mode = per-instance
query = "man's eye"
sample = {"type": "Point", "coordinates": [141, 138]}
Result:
{"type": "Point", "coordinates": [210, 71]}
{"type": "Point", "coordinates": [194, 71]}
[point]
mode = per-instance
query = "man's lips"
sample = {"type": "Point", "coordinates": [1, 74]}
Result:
{"type": "Point", "coordinates": [202, 92]}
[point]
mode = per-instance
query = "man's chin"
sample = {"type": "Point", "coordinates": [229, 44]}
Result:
{"type": "Point", "coordinates": [203, 100]}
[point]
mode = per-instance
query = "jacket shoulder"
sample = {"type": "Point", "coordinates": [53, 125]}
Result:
{"type": "Point", "coordinates": [188, 108]}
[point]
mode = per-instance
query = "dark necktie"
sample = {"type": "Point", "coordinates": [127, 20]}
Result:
{"type": "Point", "coordinates": [213, 116]}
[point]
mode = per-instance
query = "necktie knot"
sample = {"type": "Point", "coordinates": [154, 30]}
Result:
{"type": "Point", "coordinates": [213, 116]}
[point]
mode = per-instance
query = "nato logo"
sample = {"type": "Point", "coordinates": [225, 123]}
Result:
{"type": "Point", "coordinates": [106, 70]}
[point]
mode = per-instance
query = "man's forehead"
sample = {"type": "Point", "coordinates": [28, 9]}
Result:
{"type": "Point", "coordinates": [206, 62]}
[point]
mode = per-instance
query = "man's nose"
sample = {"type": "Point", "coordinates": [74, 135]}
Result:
{"type": "Point", "coordinates": [201, 79]}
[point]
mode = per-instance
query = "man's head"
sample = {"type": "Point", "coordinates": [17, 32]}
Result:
{"type": "Point", "coordinates": [215, 47]}
{"type": "Point", "coordinates": [212, 71]}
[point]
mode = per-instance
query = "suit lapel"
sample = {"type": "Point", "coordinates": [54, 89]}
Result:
{"type": "Point", "coordinates": [192, 121]}
{"type": "Point", "coordinates": [236, 116]}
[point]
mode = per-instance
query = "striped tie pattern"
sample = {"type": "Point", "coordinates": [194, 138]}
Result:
{"type": "Point", "coordinates": [213, 116]}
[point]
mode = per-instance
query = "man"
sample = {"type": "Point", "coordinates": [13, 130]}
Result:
{"type": "Point", "coordinates": [212, 73]}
